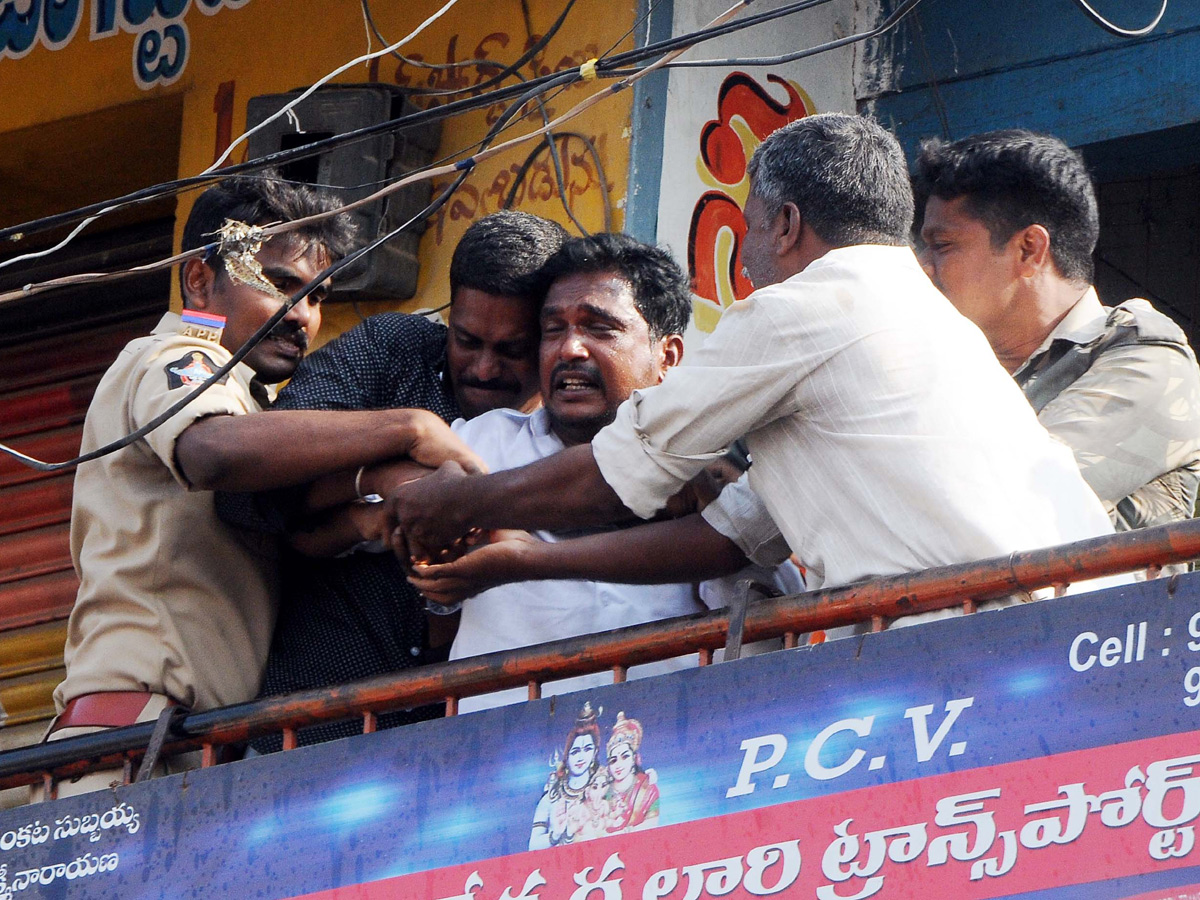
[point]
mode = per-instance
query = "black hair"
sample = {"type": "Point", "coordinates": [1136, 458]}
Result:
{"type": "Point", "coordinates": [660, 288]}
{"type": "Point", "coordinates": [264, 200]}
{"type": "Point", "coordinates": [846, 175]}
{"type": "Point", "coordinates": [504, 253]}
{"type": "Point", "coordinates": [1013, 179]}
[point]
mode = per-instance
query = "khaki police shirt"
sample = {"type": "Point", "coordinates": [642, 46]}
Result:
{"type": "Point", "coordinates": [1132, 419]}
{"type": "Point", "coordinates": [171, 600]}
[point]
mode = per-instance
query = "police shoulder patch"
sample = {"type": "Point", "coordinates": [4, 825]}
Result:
{"type": "Point", "coordinates": [190, 370]}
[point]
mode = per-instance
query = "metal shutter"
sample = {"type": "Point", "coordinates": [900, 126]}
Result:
{"type": "Point", "coordinates": [53, 350]}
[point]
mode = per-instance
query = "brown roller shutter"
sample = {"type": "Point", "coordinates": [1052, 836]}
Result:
{"type": "Point", "coordinates": [54, 349]}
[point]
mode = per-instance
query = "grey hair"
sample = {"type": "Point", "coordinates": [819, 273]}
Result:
{"type": "Point", "coordinates": [846, 175]}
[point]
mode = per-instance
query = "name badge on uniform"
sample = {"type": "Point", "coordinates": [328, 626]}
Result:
{"type": "Point", "coordinates": [191, 370]}
{"type": "Point", "coordinates": [202, 325]}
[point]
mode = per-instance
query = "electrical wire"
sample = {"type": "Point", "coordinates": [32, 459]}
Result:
{"type": "Point", "coordinates": [279, 158]}
{"type": "Point", "coordinates": [556, 162]}
{"type": "Point", "coordinates": [1116, 29]}
{"type": "Point", "coordinates": [467, 164]}
{"type": "Point", "coordinates": [1144, 290]}
{"type": "Point", "coordinates": [505, 72]}
{"type": "Point", "coordinates": [685, 41]}
{"type": "Point", "coordinates": [562, 79]}
{"type": "Point", "coordinates": [308, 92]}
{"type": "Point", "coordinates": [540, 105]}
{"type": "Point", "coordinates": [412, 178]}
{"type": "Point", "coordinates": [634, 27]}
{"type": "Point", "coordinates": [266, 328]}
{"type": "Point", "coordinates": [542, 108]}
{"type": "Point", "coordinates": [463, 169]}
{"type": "Point", "coordinates": [890, 22]}
{"type": "Point", "coordinates": [572, 75]}
{"type": "Point", "coordinates": [608, 68]}
{"type": "Point", "coordinates": [523, 171]}
{"type": "Point", "coordinates": [601, 175]}
{"type": "Point", "coordinates": [238, 356]}
{"type": "Point", "coordinates": [75, 232]}
{"type": "Point", "coordinates": [935, 89]}
{"type": "Point", "coordinates": [565, 79]}
{"type": "Point", "coordinates": [367, 30]}
{"type": "Point", "coordinates": [391, 188]}
{"type": "Point", "coordinates": [504, 122]}
{"type": "Point", "coordinates": [379, 182]}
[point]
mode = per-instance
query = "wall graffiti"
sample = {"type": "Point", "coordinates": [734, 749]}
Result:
{"type": "Point", "coordinates": [456, 71]}
{"type": "Point", "coordinates": [746, 114]}
{"type": "Point", "coordinates": [473, 201]}
{"type": "Point", "coordinates": [539, 185]}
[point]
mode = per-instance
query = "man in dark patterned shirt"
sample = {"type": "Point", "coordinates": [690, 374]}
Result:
{"type": "Point", "coordinates": [356, 616]}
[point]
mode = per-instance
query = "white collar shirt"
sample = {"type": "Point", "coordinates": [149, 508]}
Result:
{"type": "Point", "coordinates": [534, 612]}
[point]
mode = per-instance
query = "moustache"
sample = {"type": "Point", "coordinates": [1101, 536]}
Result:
{"type": "Point", "coordinates": [287, 331]}
{"type": "Point", "coordinates": [583, 370]}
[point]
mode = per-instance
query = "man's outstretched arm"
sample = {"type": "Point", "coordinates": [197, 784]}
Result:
{"type": "Point", "coordinates": [558, 493]}
{"type": "Point", "coordinates": [661, 438]}
{"type": "Point", "coordinates": [280, 448]}
{"type": "Point", "coordinates": [668, 552]}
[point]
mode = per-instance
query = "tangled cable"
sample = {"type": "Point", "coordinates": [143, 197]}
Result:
{"type": "Point", "coordinates": [1118, 30]}
{"type": "Point", "coordinates": [607, 67]}
{"type": "Point", "coordinates": [526, 92]}
{"type": "Point", "coordinates": [263, 331]}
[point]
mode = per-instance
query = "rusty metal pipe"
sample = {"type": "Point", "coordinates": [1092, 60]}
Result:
{"type": "Point", "coordinates": [891, 597]}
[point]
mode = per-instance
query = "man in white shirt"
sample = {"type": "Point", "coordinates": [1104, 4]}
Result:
{"type": "Point", "coordinates": [612, 322]}
{"type": "Point", "coordinates": [885, 436]}
{"type": "Point", "coordinates": [1009, 225]}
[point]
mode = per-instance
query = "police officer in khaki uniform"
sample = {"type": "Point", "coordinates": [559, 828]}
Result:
{"type": "Point", "coordinates": [1010, 223]}
{"type": "Point", "coordinates": [174, 606]}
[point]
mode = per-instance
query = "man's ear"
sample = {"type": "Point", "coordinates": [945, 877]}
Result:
{"type": "Point", "coordinates": [1033, 249]}
{"type": "Point", "coordinates": [198, 277]}
{"type": "Point", "coordinates": [789, 229]}
{"type": "Point", "coordinates": [670, 352]}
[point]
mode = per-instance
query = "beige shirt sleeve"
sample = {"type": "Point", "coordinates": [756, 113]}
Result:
{"type": "Point", "coordinates": [1134, 415]}
{"type": "Point", "coordinates": [153, 395]}
{"type": "Point", "coordinates": [740, 515]}
{"type": "Point", "coordinates": [744, 377]}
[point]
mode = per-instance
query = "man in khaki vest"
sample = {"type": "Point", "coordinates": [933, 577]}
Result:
{"type": "Point", "coordinates": [176, 608]}
{"type": "Point", "coordinates": [1010, 223]}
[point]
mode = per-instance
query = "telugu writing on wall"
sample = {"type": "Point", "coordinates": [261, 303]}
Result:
{"type": "Point", "coordinates": [161, 42]}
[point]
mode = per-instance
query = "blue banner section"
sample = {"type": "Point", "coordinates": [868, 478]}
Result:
{"type": "Point", "coordinates": [1023, 683]}
{"type": "Point", "coordinates": [1179, 884]}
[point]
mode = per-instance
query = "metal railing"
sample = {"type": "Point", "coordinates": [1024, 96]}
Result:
{"type": "Point", "coordinates": [876, 601]}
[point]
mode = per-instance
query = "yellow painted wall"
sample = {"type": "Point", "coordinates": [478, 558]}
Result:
{"type": "Point", "coordinates": [242, 48]}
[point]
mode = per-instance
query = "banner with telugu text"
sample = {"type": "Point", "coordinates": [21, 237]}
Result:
{"type": "Point", "coordinates": [1045, 751]}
